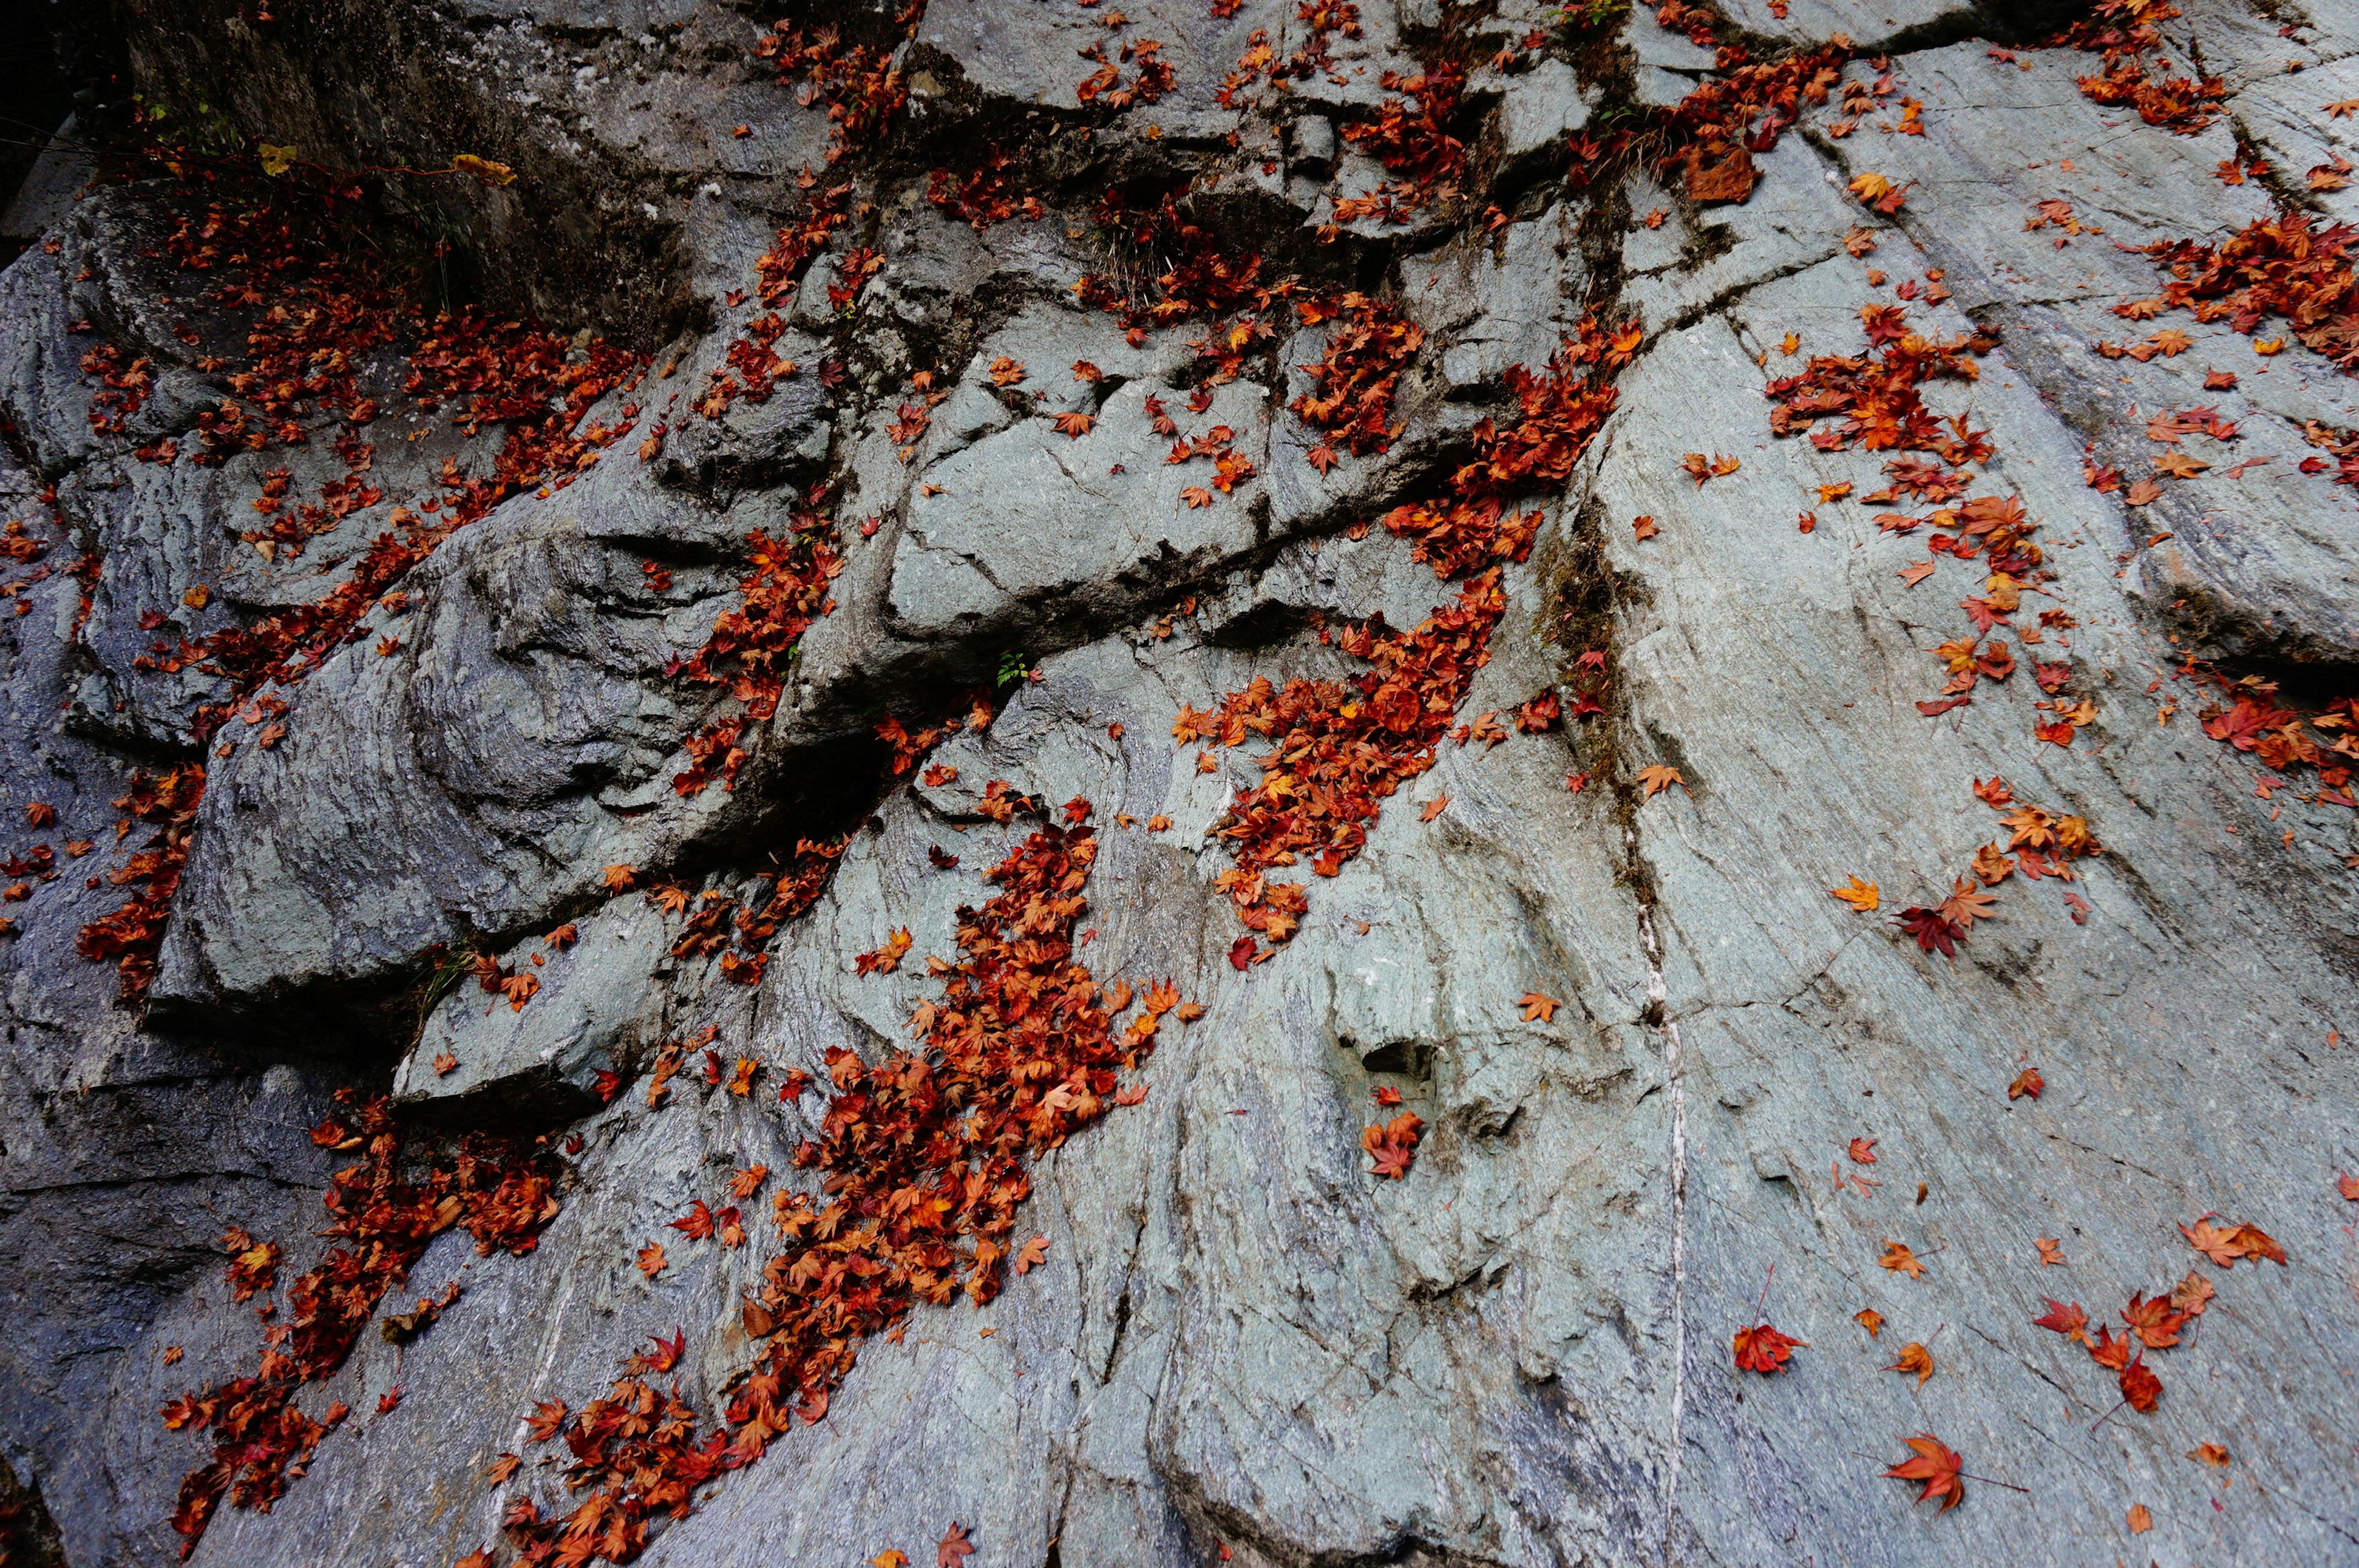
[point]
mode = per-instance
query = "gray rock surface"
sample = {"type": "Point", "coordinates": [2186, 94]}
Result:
{"type": "Point", "coordinates": [1241, 1344]}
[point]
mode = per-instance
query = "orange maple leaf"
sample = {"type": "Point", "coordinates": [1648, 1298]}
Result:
{"type": "Point", "coordinates": [1869, 1319]}
{"type": "Point", "coordinates": [1075, 425]}
{"type": "Point", "coordinates": [1914, 1358]}
{"type": "Point", "coordinates": [1656, 778]}
{"type": "Point", "coordinates": [1434, 808]}
{"type": "Point", "coordinates": [1901, 1260]}
{"type": "Point", "coordinates": [1540, 1007]}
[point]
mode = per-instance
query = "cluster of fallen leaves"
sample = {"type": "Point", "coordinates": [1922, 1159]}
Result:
{"type": "Point", "coordinates": [2277, 266]}
{"type": "Point", "coordinates": [1420, 158]}
{"type": "Point", "coordinates": [2124, 31]}
{"type": "Point", "coordinates": [981, 199]}
{"type": "Point", "coordinates": [1715, 130]}
{"type": "Point", "coordinates": [784, 590]}
{"type": "Point", "coordinates": [1203, 281]}
{"type": "Point", "coordinates": [859, 86]}
{"type": "Point", "coordinates": [310, 318]}
{"type": "Point", "coordinates": [1882, 409]}
{"type": "Point", "coordinates": [1340, 748]}
{"type": "Point", "coordinates": [2283, 738]}
{"type": "Point", "coordinates": [379, 1223]}
{"type": "Point", "coordinates": [1323, 20]}
{"type": "Point", "coordinates": [2039, 845]}
{"type": "Point", "coordinates": [2155, 1323]}
{"type": "Point", "coordinates": [1370, 343]}
{"type": "Point", "coordinates": [1151, 75]}
{"type": "Point", "coordinates": [923, 1160]}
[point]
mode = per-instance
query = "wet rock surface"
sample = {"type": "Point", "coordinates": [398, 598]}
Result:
{"type": "Point", "coordinates": [518, 846]}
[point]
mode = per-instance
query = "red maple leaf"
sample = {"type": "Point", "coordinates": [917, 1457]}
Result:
{"type": "Point", "coordinates": [1763, 1349]}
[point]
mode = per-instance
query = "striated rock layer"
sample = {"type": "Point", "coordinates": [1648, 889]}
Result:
{"type": "Point", "coordinates": [864, 445]}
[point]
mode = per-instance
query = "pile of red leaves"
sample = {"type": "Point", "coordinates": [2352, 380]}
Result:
{"type": "Point", "coordinates": [2124, 31]}
{"type": "Point", "coordinates": [131, 936]}
{"type": "Point", "coordinates": [1713, 129]}
{"type": "Point", "coordinates": [379, 1223]}
{"type": "Point", "coordinates": [1370, 345]}
{"type": "Point", "coordinates": [784, 590]}
{"type": "Point", "coordinates": [925, 1158]}
{"type": "Point", "coordinates": [1341, 748]}
{"type": "Point", "coordinates": [1203, 281]}
{"type": "Point", "coordinates": [1418, 151]}
{"type": "Point", "coordinates": [1877, 393]}
{"type": "Point", "coordinates": [981, 199]}
{"type": "Point", "coordinates": [2278, 267]}
{"type": "Point", "coordinates": [2282, 738]}
{"type": "Point", "coordinates": [859, 85]}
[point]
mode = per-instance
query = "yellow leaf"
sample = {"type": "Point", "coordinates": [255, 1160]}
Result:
{"type": "Point", "coordinates": [483, 168]}
{"type": "Point", "coordinates": [2266, 346]}
{"type": "Point", "coordinates": [1868, 187]}
{"type": "Point", "coordinates": [276, 161]}
{"type": "Point", "coordinates": [1861, 896]}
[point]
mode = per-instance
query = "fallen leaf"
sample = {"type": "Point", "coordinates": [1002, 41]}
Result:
{"type": "Point", "coordinates": [1937, 1465]}
{"type": "Point", "coordinates": [445, 1065]}
{"type": "Point", "coordinates": [1656, 778]}
{"type": "Point", "coordinates": [1901, 1260]}
{"type": "Point", "coordinates": [2141, 1521]}
{"type": "Point", "coordinates": [1536, 1006]}
{"type": "Point", "coordinates": [1763, 1349]}
{"type": "Point", "coordinates": [2051, 1251]}
{"type": "Point", "coordinates": [1914, 1358]}
{"type": "Point", "coordinates": [1916, 572]}
{"type": "Point", "coordinates": [2179, 465]}
{"type": "Point", "coordinates": [1033, 1253]}
{"type": "Point", "coordinates": [2211, 1454]}
{"type": "Point", "coordinates": [1005, 372]}
{"type": "Point", "coordinates": [2140, 1387]}
{"type": "Point", "coordinates": [2027, 1082]}
{"type": "Point", "coordinates": [1196, 496]}
{"type": "Point", "coordinates": [954, 1546]}
{"type": "Point", "coordinates": [1075, 425]}
{"type": "Point", "coordinates": [1863, 1150]}
{"type": "Point", "coordinates": [1645, 527]}
{"type": "Point", "coordinates": [2070, 1322]}
{"type": "Point", "coordinates": [1869, 1319]}
{"type": "Point", "coordinates": [1434, 808]}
